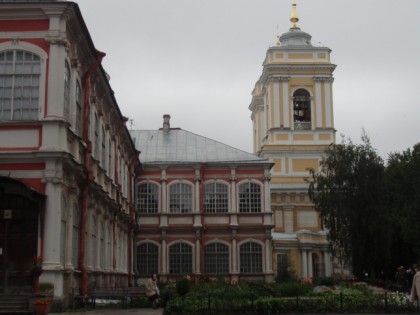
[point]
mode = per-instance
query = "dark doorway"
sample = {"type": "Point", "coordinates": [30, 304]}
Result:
{"type": "Point", "coordinates": [19, 213]}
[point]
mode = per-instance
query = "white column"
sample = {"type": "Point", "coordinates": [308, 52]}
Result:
{"type": "Point", "coordinates": [304, 264]}
{"type": "Point", "coordinates": [197, 179]}
{"type": "Point", "coordinates": [163, 254]}
{"type": "Point", "coordinates": [234, 254]}
{"type": "Point", "coordinates": [286, 105]}
{"type": "Point", "coordinates": [198, 255]}
{"type": "Point", "coordinates": [276, 104]}
{"type": "Point", "coordinates": [328, 103]}
{"type": "Point", "coordinates": [267, 194]}
{"type": "Point", "coordinates": [263, 122]}
{"type": "Point", "coordinates": [51, 237]}
{"type": "Point", "coordinates": [318, 103]}
{"type": "Point", "coordinates": [233, 190]}
{"type": "Point", "coordinates": [56, 63]}
{"type": "Point", "coordinates": [268, 255]}
{"type": "Point", "coordinates": [310, 266]}
{"type": "Point", "coordinates": [164, 193]}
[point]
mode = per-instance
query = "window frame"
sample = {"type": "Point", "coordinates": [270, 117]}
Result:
{"type": "Point", "coordinates": [220, 205]}
{"type": "Point", "coordinates": [248, 259]}
{"type": "Point", "coordinates": [219, 259]}
{"type": "Point", "coordinates": [301, 109]}
{"type": "Point", "coordinates": [25, 46]}
{"type": "Point", "coordinates": [181, 261]}
{"type": "Point", "coordinates": [181, 198]}
{"type": "Point", "coordinates": [250, 201]}
{"type": "Point", "coordinates": [155, 195]}
{"type": "Point", "coordinates": [149, 259]}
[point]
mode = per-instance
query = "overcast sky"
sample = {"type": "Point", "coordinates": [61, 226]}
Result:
{"type": "Point", "coordinates": [198, 60]}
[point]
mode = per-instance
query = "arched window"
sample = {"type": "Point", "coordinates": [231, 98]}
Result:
{"type": "Point", "coordinates": [251, 258]}
{"type": "Point", "coordinates": [216, 198]}
{"type": "Point", "coordinates": [180, 198]}
{"type": "Point", "coordinates": [147, 259]}
{"type": "Point", "coordinates": [20, 73]}
{"type": "Point", "coordinates": [147, 198]}
{"type": "Point", "coordinates": [216, 258]}
{"type": "Point", "coordinates": [302, 110]}
{"type": "Point", "coordinates": [249, 197]}
{"type": "Point", "coordinates": [66, 104]}
{"type": "Point", "coordinates": [75, 237]}
{"type": "Point", "coordinates": [180, 259]}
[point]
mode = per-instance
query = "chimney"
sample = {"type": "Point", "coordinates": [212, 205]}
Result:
{"type": "Point", "coordinates": [166, 125]}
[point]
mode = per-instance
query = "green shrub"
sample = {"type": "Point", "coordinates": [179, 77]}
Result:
{"type": "Point", "coordinates": [292, 289]}
{"type": "Point", "coordinates": [182, 286]}
{"type": "Point", "coordinates": [327, 281]}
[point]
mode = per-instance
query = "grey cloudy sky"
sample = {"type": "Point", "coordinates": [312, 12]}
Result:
{"type": "Point", "coordinates": [198, 60]}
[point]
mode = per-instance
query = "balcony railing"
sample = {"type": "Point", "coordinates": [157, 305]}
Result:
{"type": "Point", "coordinates": [303, 125]}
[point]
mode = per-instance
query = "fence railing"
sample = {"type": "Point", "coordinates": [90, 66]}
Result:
{"type": "Point", "coordinates": [210, 303]}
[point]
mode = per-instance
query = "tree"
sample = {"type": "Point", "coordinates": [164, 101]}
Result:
{"type": "Point", "coordinates": [403, 187]}
{"type": "Point", "coordinates": [348, 193]}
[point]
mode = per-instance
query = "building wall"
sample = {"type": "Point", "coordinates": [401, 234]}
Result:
{"type": "Point", "coordinates": [73, 148]}
{"type": "Point", "coordinates": [200, 227]}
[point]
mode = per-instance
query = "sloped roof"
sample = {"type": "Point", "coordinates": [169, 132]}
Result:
{"type": "Point", "coordinates": [181, 146]}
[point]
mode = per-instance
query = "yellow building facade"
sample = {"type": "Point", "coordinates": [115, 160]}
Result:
{"type": "Point", "coordinates": [293, 124]}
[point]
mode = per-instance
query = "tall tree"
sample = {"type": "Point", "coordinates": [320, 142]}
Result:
{"type": "Point", "coordinates": [348, 193]}
{"type": "Point", "coordinates": [403, 179]}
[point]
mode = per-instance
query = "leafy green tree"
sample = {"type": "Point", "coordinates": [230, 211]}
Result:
{"type": "Point", "coordinates": [403, 181]}
{"type": "Point", "coordinates": [348, 192]}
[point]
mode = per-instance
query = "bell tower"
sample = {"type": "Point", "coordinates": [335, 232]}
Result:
{"type": "Point", "coordinates": [293, 124]}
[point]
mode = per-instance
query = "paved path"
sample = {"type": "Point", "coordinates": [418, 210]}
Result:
{"type": "Point", "coordinates": [130, 311]}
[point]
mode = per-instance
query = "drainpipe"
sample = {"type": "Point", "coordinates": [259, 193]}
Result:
{"type": "Point", "coordinates": [88, 167]}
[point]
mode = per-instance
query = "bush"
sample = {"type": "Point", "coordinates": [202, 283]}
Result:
{"type": "Point", "coordinates": [292, 289]}
{"type": "Point", "coordinates": [182, 286]}
{"type": "Point", "coordinates": [325, 281]}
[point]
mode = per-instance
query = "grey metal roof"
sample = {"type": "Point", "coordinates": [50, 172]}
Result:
{"type": "Point", "coordinates": [181, 146]}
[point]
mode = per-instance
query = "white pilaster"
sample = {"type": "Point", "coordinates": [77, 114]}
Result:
{"type": "Point", "coordinates": [304, 256]}
{"type": "Point", "coordinates": [268, 256]}
{"type": "Point", "coordinates": [318, 103]}
{"type": "Point", "coordinates": [163, 254]}
{"type": "Point", "coordinates": [234, 254]}
{"type": "Point", "coordinates": [197, 256]}
{"type": "Point", "coordinates": [197, 179]}
{"type": "Point", "coordinates": [310, 265]}
{"type": "Point", "coordinates": [233, 190]}
{"type": "Point", "coordinates": [286, 105]}
{"type": "Point", "coordinates": [276, 104]}
{"type": "Point", "coordinates": [267, 203]}
{"type": "Point", "coordinates": [328, 103]}
{"type": "Point", "coordinates": [164, 193]}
